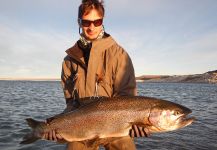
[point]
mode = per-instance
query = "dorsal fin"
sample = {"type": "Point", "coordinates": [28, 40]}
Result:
{"type": "Point", "coordinates": [33, 123]}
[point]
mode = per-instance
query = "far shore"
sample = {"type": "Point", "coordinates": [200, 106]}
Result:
{"type": "Point", "coordinates": [207, 77]}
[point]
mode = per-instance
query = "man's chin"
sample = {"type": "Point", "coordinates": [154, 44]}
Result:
{"type": "Point", "coordinates": [91, 38]}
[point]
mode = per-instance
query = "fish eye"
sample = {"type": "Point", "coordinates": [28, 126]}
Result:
{"type": "Point", "coordinates": [177, 113]}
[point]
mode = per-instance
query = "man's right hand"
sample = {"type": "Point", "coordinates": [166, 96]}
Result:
{"type": "Point", "coordinates": [53, 136]}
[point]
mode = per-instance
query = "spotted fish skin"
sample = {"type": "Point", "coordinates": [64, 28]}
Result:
{"type": "Point", "coordinates": [107, 117]}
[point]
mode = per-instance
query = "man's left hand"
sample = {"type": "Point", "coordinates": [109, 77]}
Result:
{"type": "Point", "coordinates": [137, 131]}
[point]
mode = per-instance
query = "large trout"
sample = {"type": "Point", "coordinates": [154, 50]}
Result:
{"type": "Point", "coordinates": [112, 117]}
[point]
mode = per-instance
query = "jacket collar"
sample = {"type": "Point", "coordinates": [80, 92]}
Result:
{"type": "Point", "coordinates": [98, 46]}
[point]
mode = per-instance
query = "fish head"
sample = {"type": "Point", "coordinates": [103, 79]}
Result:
{"type": "Point", "coordinates": [169, 116]}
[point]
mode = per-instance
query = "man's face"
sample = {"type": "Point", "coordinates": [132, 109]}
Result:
{"type": "Point", "coordinates": [91, 30]}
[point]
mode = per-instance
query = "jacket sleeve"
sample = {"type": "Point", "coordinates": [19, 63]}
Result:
{"type": "Point", "coordinates": [124, 80]}
{"type": "Point", "coordinates": [68, 79]}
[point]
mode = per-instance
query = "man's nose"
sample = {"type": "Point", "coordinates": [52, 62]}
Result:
{"type": "Point", "coordinates": [91, 25]}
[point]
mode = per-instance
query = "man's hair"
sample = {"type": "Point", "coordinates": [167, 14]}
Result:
{"type": "Point", "coordinates": [87, 5]}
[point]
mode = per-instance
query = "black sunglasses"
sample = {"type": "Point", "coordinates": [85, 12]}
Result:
{"type": "Point", "coordinates": [87, 23]}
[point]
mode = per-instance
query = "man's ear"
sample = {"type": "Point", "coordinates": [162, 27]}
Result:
{"type": "Point", "coordinates": [79, 22]}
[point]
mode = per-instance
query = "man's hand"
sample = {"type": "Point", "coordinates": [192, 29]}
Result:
{"type": "Point", "coordinates": [137, 131]}
{"type": "Point", "coordinates": [53, 136]}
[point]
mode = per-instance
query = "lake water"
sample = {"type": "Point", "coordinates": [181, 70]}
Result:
{"type": "Point", "coordinates": [42, 99]}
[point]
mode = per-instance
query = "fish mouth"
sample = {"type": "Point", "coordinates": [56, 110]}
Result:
{"type": "Point", "coordinates": [185, 120]}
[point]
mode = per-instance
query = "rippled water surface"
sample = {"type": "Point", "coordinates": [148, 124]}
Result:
{"type": "Point", "coordinates": [24, 99]}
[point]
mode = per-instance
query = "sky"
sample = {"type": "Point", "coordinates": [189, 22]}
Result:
{"type": "Point", "coordinates": [162, 37]}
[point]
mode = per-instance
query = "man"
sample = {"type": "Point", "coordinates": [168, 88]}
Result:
{"type": "Point", "coordinates": [97, 66]}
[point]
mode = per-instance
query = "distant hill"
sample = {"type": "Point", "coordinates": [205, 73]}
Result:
{"type": "Point", "coordinates": [208, 77]}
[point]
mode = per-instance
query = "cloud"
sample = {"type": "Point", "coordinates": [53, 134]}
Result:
{"type": "Point", "coordinates": [40, 14]}
{"type": "Point", "coordinates": [171, 53]}
{"type": "Point", "coordinates": [27, 52]}
{"type": "Point", "coordinates": [2, 60]}
{"type": "Point", "coordinates": [201, 50]}
{"type": "Point", "coordinates": [34, 6]}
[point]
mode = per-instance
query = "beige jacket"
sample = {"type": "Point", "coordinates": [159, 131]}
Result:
{"type": "Point", "coordinates": [109, 73]}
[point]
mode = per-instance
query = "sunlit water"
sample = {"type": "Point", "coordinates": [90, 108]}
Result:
{"type": "Point", "coordinates": [39, 100]}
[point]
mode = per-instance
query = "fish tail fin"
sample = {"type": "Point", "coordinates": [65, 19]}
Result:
{"type": "Point", "coordinates": [31, 137]}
